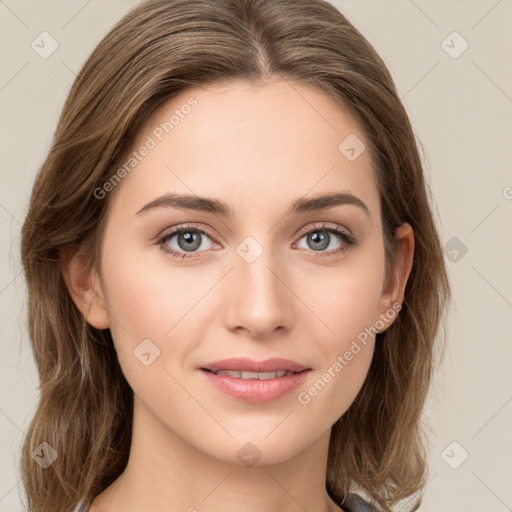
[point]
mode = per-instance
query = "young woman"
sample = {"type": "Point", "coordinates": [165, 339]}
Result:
{"type": "Point", "coordinates": [235, 279]}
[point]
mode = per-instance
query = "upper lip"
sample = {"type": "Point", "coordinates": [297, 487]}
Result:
{"type": "Point", "coordinates": [250, 365]}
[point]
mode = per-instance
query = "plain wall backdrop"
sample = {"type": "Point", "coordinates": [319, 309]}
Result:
{"type": "Point", "coordinates": [452, 64]}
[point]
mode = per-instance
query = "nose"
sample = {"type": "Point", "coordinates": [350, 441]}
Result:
{"type": "Point", "coordinates": [258, 299]}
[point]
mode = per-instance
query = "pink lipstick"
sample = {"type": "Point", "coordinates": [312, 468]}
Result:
{"type": "Point", "coordinates": [255, 381]}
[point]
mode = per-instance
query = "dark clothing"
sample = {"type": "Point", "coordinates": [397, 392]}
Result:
{"type": "Point", "coordinates": [354, 503]}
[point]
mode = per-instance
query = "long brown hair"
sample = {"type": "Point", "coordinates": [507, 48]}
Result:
{"type": "Point", "coordinates": [157, 50]}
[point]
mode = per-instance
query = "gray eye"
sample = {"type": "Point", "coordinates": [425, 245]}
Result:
{"type": "Point", "coordinates": [319, 239]}
{"type": "Point", "coordinates": [188, 240]}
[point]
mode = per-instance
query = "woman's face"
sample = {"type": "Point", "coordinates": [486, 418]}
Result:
{"type": "Point", "coordinates": [266, 278]}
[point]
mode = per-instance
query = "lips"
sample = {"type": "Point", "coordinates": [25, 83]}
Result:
{"type": "Point", "coordinates": [253, 381]}
{"type": "Point", "coordinates": [242, 364]}
{"type": "Point", "coordinates": [255, 390]}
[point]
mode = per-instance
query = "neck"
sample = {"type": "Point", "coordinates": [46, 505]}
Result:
{"type": "Point", "coordinates": [164, 473]}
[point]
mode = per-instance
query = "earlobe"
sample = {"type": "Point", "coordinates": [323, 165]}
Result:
{"type": "Point", "coordinates": [404, 248]}
{"type": "Point", "coordinates": [84, 286]}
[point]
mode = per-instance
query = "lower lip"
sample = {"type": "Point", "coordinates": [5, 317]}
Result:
{"type": "Point", "coordinates": [255, 390]}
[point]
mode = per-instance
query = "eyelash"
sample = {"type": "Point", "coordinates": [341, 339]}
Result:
{"type": "Point", "coordinates": [347, 239]}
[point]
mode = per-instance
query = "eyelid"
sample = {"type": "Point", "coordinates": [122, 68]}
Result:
{"type": "Point", "coordinates": [325, 225]}
{"type": "Point", "coordinates": [183, 227]}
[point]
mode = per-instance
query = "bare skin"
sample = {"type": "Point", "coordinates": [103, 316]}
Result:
{"type": "Point", "coordinates": [258, 149]}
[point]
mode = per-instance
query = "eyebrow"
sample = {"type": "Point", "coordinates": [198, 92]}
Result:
{"type": "Point", "coordinates": [216, 206]}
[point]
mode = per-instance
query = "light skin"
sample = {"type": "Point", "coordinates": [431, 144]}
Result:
{"type": "Point", "coordinates": [258, 149]}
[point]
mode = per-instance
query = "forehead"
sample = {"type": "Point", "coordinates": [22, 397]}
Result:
{"type": "Point", "coordinates": [251, 146]}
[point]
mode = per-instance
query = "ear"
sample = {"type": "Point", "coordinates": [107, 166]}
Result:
{"type": "Point", "coordinates": [84, 286]}
{"type": "Point", "coordinates": [394, 289]}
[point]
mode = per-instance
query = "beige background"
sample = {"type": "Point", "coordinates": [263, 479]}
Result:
{"type": "Point", "coordinates": [461, 109]}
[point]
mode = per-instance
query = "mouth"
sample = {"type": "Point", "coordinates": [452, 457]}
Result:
{"type": "Point", "coordinates": [247, 375]}
{"type": "Point", "coordinates": [252, 369]}
{"type": "Point", "coordinates": [253, 381]}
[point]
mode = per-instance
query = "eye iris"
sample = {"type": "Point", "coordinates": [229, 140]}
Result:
{"type": "Point", "coordinates": [190, 237]}
{"type": "Point", "coordinates": [319, 237]}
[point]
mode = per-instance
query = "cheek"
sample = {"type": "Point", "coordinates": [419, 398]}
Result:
{"type": "Point", "coordinates": [346, 352]}
{"type": "Point", "coordinates": [349, 306]}
{"type": "Point", "coordinates": [155, 302]}
{"type": "Point", "coordinates": [355, 307]}
{"type": "Point", "coordinates": [347, 298]}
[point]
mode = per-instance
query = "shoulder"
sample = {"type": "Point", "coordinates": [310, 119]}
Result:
{"type": "Point", "coordinates": [354, 503]}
